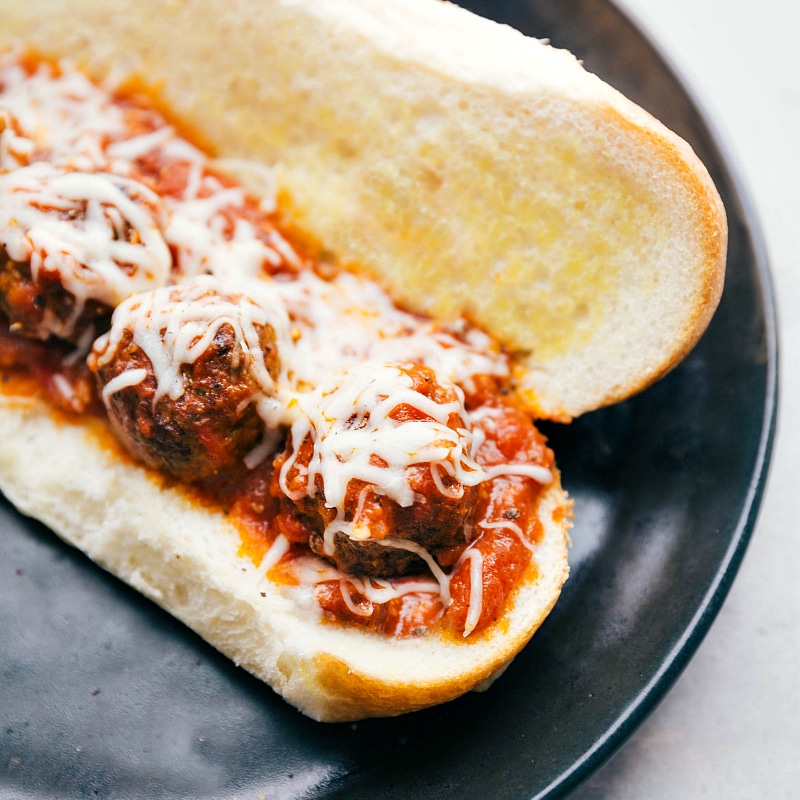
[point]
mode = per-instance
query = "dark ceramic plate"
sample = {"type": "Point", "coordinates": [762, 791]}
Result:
{"type": "Point", "coordinates": [104, 695]}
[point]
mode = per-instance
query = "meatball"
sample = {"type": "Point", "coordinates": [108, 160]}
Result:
{"type": "Point", "coordinates": [72, 246]}
{"type": "Point", "coordinates": [38, 307]}
{"type": "Point", "coordinates": [188, 375]}
{"type": "Point", "coordinates": [383, 471]}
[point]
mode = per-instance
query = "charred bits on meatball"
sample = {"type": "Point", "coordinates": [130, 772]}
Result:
{"type": "Point", "coordinates": [188, 375]}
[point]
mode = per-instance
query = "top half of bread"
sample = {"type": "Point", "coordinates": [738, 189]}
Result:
{"type": "Point", "coordinates": [472, 169]}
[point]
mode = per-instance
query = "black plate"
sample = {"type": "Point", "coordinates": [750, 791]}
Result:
{"type": "Point", "coordinates": [104, 695]}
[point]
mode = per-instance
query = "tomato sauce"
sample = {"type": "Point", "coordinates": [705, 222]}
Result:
{"type": "Point", "coordinates": [499, 535]}
{"type": "Point", "coordinates": [505, 523]}
{"type": "Point", "coordinates": [508, 526]}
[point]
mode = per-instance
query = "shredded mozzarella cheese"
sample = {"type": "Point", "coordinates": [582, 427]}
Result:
{"type": "Point", "coordinates": [354, 437]}
{"type": "Point", "coordinates": [179, 266]}
{"type": "Point", "coordinates": [277, 550]}
{"type": "Point", "coordinates": [55, 115]}
{"type": "Point", "coordinates": [98, 232]}
{"type": "Point", "coordinates": [475, 608]}
{"type": "Point", "coordinates": [176, 325]}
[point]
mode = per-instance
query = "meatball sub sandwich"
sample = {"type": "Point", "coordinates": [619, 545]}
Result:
{"type": "Point", "coordinates": [278, 318]}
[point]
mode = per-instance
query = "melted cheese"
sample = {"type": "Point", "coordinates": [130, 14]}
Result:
{"type": "Point", "coordinates": [70, 202]}
{"type": "Point", "coordinates": [354, 437]}
{"type": "Point", "coordinates": [351, 422]}
{"type": "Point", "coordinates": [60, 117]}
{"type": "Point", "coordinates": [475, 558]}
{"type": "Point", "coordinates": [277, 550]}
{"type": "Point", "coordinates": [311, 571]}
{"type": "Point", "coordinates": [176, 325]}
{"type": "Point", "coordinates": [369, 327]}
{"type": "Point", "coordinates": [98, 232]}
{"type": "Point", "coordinates": [199, 232]}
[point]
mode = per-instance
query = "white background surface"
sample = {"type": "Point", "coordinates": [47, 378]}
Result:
{"type": "Point", "coordinates": [730, 728]}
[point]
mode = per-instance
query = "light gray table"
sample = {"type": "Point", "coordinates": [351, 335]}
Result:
{"type": "Point", "coordinates": [730, 728]}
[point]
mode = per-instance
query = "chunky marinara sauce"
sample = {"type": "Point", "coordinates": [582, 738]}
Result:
{"type": "Point", "coordinates": [372, 453]}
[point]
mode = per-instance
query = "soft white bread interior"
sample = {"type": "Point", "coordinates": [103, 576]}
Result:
{"type": "Point", "coordinates": [185, 558]}
{"type": "Point", "coordinates": [472, 169]}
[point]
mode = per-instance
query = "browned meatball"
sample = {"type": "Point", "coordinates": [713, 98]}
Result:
{"type": "Point", "coordinates": [72, 246]}
{"type": "Point", "coordinates": [38, 308]}
{"type": "Point", "coordinates": [432, 505]}
{"type": "Point", "coordinates": [184, 372]}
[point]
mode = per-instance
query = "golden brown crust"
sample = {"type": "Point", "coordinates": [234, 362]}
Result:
{"type": "Point", "coordinates": [358, 695]}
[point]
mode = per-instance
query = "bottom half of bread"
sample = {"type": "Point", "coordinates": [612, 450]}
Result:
{"type": "Point", "coordinates": [186, 557]}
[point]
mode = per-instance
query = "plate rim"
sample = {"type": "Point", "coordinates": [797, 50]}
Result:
{"type": "Point", "coordinates": [682, 652]}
